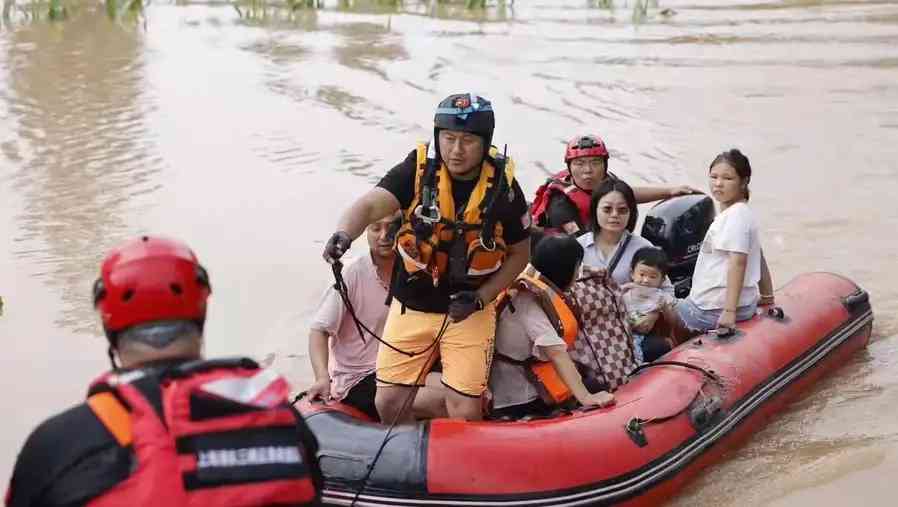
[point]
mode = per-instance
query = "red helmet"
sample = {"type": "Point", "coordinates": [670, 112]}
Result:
{"type": "Point", "coordinates": [150, 279]}
{"type": "Point", "coordinates": [585, 146]}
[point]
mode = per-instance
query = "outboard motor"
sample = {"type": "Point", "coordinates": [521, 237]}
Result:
{"type": "Point", "coordinates": [678, 226]}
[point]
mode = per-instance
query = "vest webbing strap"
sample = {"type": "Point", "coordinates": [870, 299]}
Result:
{"type": "Point", "coordinates": [114, 416]}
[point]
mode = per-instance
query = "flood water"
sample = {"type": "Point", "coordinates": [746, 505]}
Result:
{"type": "Point", "coordinates": [245, 131]}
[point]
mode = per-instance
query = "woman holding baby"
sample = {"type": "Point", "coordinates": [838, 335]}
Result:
{"type": "Point", "coordinates": [612, 246]}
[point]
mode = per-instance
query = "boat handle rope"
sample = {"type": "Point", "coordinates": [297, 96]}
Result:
{"type": "Point", "coordinates": [634, 426]}
{"type": "Point", "coordinates": [707, 373]}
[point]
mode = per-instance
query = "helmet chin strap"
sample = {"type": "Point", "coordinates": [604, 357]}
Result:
{"type": "Point", "coordinates": [432, 148]}
{"type": "Point", "coordinates": [111, 353]}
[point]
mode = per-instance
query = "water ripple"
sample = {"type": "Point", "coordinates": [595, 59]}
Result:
{"type": "Point", "coordinates": [367, 46]}
{"type": "Point", "coordinates": [83, 154]}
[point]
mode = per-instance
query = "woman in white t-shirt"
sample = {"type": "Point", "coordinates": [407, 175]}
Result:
{"type": "Point", "coordinates": [731, 276]}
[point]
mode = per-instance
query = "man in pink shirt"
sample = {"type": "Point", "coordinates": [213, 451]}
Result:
{"type": "Point", "coordinates": [334, 337]}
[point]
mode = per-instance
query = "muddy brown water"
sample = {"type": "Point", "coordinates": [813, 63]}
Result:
{"type": "Point", "coordinates": [246, 131]}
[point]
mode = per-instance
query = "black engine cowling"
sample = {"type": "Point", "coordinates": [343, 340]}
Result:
{"type": "Point", "coordinates": [678, 226]}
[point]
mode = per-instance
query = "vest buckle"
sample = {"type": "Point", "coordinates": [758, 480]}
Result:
{"type": "Point", "coordinates": [432, 215]}
{"type": "Point", "coordinates": [491, 241]}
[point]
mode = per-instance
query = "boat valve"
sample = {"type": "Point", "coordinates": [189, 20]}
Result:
{"type": "Point", "coordinates": [636, 433]}
{"type": "Point", "coordinates": [704, 411]}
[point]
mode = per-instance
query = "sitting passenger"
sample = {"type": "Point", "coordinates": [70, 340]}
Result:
{"type": "Point", "coordinates": [645, 301]}
{"type": "Point", "coordinates": [343, 361]}
{"type": "Point", "coordinates": [562, 203]}
{"type": "Point", "coordinates": [731, 276]}
{"type": "Point", "coordinates": [533, 335]}
{"type": "Point", "coordinates": [611, 245]}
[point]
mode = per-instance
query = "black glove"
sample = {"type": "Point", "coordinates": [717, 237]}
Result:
{"type": "Point", "coordinates": [463, 304]}
{"type": "Point", "coordinates": [336, 246]}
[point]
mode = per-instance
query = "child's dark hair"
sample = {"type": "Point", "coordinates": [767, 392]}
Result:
{"type": "Point", "coordinates": [652, 257]}
{"type": "Point", "coordinates": [608, 186]}
{"type": "Point", "coordinates": [738, 161]}
{"type": "Point", "coordinates": [556, 257]}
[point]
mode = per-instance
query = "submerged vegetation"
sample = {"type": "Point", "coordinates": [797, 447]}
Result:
{"type": "Point", "coordinates": [58, 10]}
{"type": "Point", "coordinates": [262, 10]}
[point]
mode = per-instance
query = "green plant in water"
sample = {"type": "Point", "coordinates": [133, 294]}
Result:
{"type": "Point", "coordinates": [7, 8]}
{"type": "Point", "coordinates": [56, 11]}
{"type": "Point", "coordinates": [116, 9]}
{"type": "Point", "coordinates": [349, 4]}
{"type": "Point", "coordinates": [641, 10]}
{"type": "Point", "coordinates": [305, 4]}
{"type": "Point", "coordinates": [601, 4]}
{"type": "Point", "coordinates": [479, 4]}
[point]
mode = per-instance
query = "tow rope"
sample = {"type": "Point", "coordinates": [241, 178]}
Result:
{"type": "Point", "coordinates": [342, 289]}
{"type": "Point", "coordinates": [405, 406]}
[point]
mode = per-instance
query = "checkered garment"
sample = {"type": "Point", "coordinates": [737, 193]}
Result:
{"type": "Point", "coordinates": [604, 348]}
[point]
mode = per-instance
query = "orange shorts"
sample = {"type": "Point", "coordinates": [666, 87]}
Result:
{"type": "Point", "coordinates": [466, 349]}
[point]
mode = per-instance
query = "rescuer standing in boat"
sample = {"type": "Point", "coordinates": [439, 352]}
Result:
{"type": "Point", "coordinates": [464, 239]}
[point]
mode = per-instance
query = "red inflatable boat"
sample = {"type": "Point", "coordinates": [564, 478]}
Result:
{"type": "Point", "coordinates": [673, 418]}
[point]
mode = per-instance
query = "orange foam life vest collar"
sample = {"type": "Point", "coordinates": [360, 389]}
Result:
{"type": "Point", "coordinates": [562, 317]}
{"type": "Point", "coordinates": [552, 301]}
{"type": "Point", "coordinates": [430, 255]}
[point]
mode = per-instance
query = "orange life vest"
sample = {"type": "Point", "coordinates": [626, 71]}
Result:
{"type": "Point", "coordinates": [563, 319]}
{"type": "Point", "coordinates": [484, 251]}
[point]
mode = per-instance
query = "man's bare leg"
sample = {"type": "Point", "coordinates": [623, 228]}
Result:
{"type": "Point", "coordinates": [430, 401]}
{"type": "Point", "coordinates": [460, 406]}
{"type": "Point", "coordinates": [390, 400]}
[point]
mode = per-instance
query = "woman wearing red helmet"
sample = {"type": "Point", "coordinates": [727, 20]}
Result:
{"type": "Point", "coordinates": [562, 203]}
{"type": "Point", "coordinates": [167, 427]}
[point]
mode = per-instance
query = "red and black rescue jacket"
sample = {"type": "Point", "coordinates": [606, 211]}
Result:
{"type": "Point", "coordinates": [560, 185]}
{"type": "Point", "coordinates": [195, 433]}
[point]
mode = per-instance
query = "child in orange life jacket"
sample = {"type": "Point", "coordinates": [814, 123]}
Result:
{"type": "Point", "coordinates": [645, 300]}
{"type": "Point", "coordinates": [524, 333]}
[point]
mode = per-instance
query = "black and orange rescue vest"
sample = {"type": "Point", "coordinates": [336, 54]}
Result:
{"type": "Point", "coordinates": [482, 251]}
{"type": "Point", "coordinates": [217, 433]}
{"type": "Point", "coordinates": [563, 319]}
